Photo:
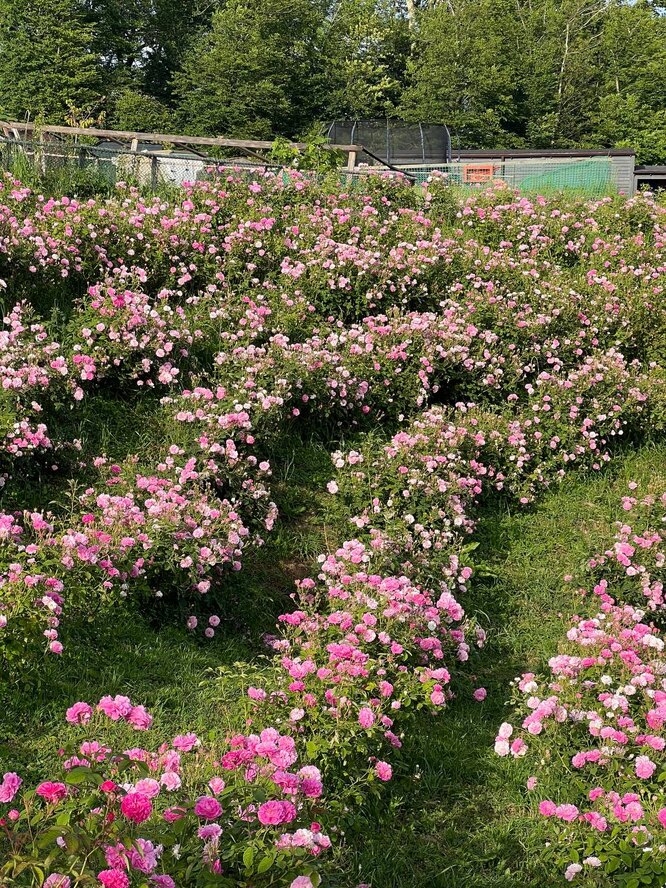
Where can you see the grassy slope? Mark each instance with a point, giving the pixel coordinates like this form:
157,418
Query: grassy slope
459,817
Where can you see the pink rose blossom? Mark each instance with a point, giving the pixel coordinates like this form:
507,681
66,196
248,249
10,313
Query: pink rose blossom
57,880
52,792
384,771
79,714
113,878
207,807
136,807
9,786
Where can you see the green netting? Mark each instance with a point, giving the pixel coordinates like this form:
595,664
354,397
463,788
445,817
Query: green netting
589,176
592,176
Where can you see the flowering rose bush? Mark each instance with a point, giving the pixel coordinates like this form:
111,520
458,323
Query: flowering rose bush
360,654
499,341
597,721
242,813
633,567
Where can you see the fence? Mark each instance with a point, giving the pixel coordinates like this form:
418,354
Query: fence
106,164
93,167
588,176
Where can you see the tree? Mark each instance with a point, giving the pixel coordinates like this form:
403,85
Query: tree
631,112
464,72
257,72
141,113
141,43
45,59
367,47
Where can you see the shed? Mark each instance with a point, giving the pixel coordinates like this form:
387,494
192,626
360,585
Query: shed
652,176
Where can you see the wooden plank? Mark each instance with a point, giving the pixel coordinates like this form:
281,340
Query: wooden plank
170,138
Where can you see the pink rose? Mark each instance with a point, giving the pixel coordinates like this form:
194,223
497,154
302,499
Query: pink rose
170,780
173,814
216,785
145,856
186,742
384,771
79,714
273,813
52,792
566,812
480,694
116,707
139,718
366,717
136,807
547,808
147,786
645,768
207,807
9,786
113,878
57,880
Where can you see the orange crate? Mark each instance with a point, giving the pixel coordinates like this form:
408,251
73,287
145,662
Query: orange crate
478,172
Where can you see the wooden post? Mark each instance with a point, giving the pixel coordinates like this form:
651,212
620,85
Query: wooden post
154,179
351,161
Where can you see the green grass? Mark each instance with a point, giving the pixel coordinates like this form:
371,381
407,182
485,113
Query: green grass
461,818
457,816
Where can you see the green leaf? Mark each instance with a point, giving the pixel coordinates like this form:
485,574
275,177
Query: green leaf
80,774
248,856
49,836
265,864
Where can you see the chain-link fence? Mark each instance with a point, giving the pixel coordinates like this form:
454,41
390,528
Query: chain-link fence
104,166
91,169
588,176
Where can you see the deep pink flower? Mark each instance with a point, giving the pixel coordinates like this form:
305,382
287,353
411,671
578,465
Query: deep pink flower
547,808
274,812
113,878
566,812
139,718
366,717
116,707
136,807
173,814
384,771
52,792
79,714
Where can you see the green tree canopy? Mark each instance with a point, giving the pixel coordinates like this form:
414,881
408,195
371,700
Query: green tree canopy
46,59
257,72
